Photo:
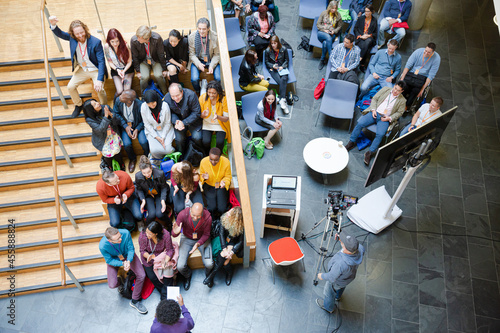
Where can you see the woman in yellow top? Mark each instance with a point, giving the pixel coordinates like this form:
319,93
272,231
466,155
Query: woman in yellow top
215,171
215,116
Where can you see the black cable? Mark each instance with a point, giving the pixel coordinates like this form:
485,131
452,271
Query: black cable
442,234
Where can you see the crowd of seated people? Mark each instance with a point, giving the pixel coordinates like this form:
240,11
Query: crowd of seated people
353,55
174,211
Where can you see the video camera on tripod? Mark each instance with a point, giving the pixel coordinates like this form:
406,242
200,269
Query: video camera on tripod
337,202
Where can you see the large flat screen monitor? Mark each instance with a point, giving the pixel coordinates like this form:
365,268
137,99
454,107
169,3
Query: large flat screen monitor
394,155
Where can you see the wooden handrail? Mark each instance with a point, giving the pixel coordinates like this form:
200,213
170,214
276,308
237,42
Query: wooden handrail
239,159
52,143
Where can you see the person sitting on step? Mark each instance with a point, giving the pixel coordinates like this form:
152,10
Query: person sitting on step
153,192
87,60
118,251
105,129
231,234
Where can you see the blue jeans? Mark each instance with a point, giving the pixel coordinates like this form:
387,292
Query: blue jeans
127,144
114,211
371,82
195,76
405,130
327,41
330,295
384,25
366,121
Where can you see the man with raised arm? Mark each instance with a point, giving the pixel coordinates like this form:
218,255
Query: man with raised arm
87,60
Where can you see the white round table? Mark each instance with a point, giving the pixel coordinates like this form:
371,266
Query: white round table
326,156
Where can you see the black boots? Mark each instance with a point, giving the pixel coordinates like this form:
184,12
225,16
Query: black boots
229,273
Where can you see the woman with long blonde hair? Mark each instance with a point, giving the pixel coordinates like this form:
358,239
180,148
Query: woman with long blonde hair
231,241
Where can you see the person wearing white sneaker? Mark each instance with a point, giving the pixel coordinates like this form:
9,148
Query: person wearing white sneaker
266,117
118,250
276,61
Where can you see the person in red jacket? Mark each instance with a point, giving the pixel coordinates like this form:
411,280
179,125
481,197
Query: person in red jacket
195,224
117,190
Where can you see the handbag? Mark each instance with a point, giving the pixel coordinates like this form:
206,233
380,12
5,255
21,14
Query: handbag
112,145
320,88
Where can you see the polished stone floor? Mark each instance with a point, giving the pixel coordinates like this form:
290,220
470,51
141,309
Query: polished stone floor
425,273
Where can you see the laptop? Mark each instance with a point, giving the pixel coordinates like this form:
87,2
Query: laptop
283,191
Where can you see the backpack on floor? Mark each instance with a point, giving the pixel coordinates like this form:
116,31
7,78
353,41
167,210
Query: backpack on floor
128,285
286,45
152,86
255,147
304,44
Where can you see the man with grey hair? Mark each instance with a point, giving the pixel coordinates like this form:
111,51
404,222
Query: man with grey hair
203,53
148,54
127,110
186,115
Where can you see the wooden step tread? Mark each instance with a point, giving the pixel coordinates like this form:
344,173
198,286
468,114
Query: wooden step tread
26,281
33,74
45,140
38,265
22,118
71,252
47,213
37,181
35,94
35,62
48,236
26,134
40,154
32,83
38,223
26,204
63,170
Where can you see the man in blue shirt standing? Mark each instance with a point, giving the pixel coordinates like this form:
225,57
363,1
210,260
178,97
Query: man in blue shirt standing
420,70
384,66
342,270
118,250
395,11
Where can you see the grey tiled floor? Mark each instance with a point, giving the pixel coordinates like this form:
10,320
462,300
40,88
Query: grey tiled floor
408,282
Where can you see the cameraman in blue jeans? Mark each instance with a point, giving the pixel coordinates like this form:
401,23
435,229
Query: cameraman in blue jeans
342,270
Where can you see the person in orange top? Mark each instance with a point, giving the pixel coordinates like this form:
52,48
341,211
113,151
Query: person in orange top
215,116
215,171
117,190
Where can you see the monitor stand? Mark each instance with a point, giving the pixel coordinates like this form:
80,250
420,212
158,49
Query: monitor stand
377,210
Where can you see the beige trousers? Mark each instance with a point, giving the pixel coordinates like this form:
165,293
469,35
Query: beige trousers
157,73
79,77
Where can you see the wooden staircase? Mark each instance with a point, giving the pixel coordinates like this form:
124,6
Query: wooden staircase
26,184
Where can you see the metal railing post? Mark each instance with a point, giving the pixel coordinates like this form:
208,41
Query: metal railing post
74,279
58,87
61,145
68,213
58,42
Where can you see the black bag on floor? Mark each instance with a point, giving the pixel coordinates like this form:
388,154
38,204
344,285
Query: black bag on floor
285,44
193,154
304,44
126,291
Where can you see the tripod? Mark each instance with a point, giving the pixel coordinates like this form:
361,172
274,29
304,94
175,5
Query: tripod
332,226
